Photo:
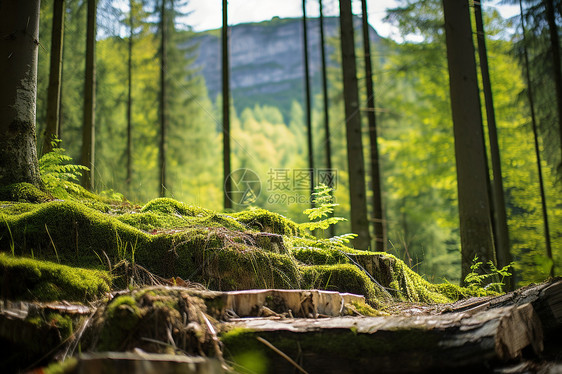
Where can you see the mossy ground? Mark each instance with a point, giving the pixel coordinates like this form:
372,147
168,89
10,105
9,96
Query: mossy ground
250,249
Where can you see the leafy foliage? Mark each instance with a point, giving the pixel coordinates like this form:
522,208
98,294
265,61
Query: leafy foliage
492,280
320,215
58,174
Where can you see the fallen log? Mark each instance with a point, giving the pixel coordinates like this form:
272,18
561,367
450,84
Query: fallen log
472,334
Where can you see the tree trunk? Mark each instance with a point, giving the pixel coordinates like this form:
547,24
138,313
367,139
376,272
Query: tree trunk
307,101
88,131
556,65
537,147
355,161
501,233
130,99
55,76
474,207
163,98
19,30
226,109
327,142
376,184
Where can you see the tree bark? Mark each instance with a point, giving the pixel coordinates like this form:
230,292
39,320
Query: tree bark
130,99
376,184
308,101
88,131
501,233
474,207
163,98
226,109
355,161
55,76
327,141
19,41
556,64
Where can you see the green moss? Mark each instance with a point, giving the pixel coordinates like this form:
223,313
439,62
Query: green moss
65,367
122,315
343,278
10,208
28,279
63,324
67,230
171,206
149,221
266,221
367,310
23,192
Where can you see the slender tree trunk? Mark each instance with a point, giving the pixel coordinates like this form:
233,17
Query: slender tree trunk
327,142
474,208
19,40
376,184
88,131
556,65
355,161
130,99
308,101
226,109
501,233
55,76
536,141
163,98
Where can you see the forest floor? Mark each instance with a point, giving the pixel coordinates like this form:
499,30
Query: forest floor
91,283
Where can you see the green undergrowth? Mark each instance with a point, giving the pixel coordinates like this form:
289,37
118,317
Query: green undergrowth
250,249
28,279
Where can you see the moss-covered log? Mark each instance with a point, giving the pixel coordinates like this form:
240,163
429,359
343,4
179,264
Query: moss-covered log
390,344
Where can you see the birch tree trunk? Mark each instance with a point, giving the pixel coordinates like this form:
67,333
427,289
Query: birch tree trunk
19,41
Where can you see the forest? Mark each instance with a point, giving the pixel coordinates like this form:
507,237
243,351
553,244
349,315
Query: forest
414,123
423,167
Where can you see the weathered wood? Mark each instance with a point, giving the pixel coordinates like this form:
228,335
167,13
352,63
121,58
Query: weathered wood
401,344
546,299
145,363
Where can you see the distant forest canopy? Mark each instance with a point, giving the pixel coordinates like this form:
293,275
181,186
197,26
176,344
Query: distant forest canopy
269,132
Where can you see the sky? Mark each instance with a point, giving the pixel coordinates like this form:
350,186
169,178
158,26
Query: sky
207,14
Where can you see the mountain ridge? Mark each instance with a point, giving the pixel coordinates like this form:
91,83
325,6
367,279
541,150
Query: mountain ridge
267,60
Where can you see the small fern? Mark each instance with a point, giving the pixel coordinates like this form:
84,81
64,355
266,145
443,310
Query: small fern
324,207
58,175
320,219
474,280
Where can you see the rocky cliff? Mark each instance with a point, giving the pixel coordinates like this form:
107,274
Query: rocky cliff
266,59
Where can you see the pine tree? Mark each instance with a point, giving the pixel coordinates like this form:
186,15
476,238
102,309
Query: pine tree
474,211
355,160
55,76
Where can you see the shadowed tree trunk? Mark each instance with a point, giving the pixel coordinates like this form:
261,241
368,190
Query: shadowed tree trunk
55,76
163,98
307,101
327,142
226,109
376,185
88,130
536,141
501,233
130,99
474,207
556,65
355,161
19,30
